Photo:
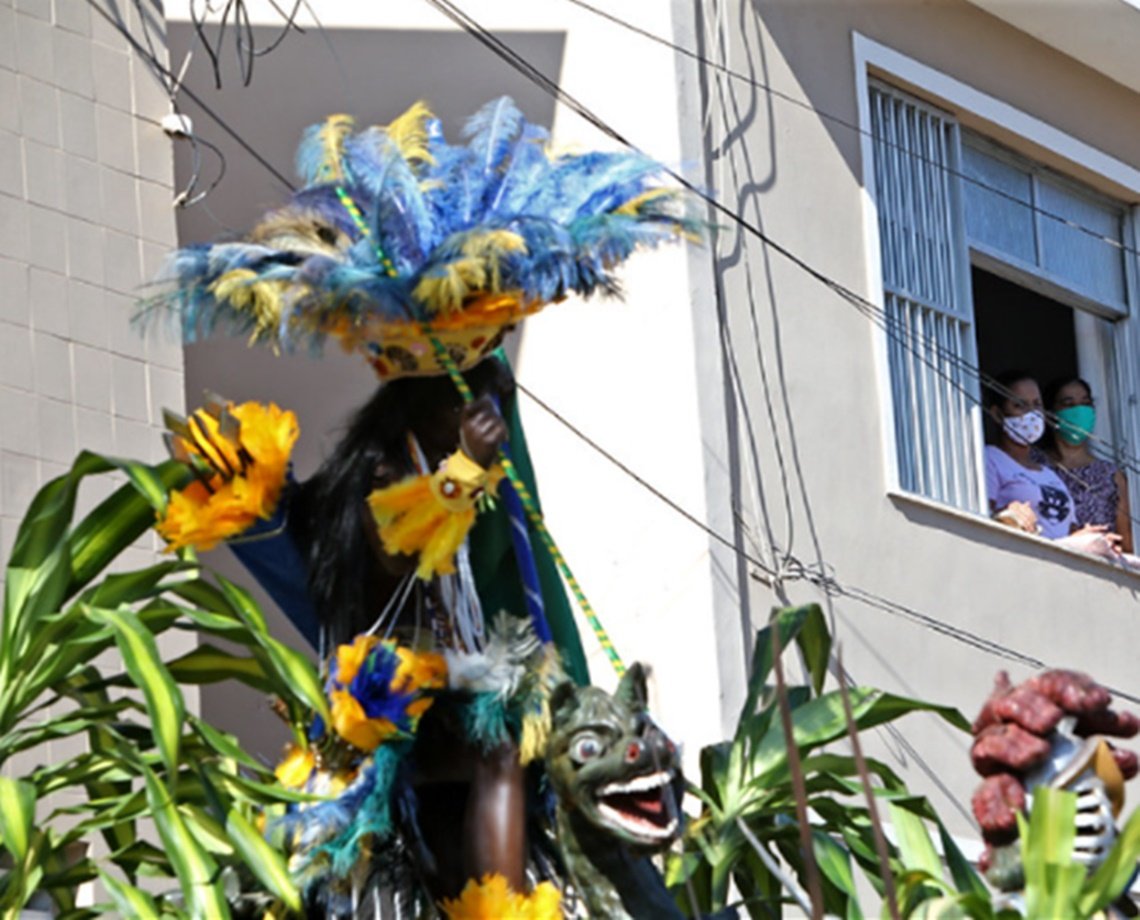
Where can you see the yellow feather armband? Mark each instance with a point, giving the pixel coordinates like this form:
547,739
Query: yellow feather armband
431,514
241,454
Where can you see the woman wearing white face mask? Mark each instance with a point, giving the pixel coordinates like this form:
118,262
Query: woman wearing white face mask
1023,493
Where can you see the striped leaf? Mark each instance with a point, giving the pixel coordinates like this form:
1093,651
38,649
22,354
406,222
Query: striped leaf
916,849
298,674
116,523
163,698
131,901
243,604
227,746
17,812
267,863
208,664
196,870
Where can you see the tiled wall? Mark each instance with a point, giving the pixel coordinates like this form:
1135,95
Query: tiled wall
86,177
85,217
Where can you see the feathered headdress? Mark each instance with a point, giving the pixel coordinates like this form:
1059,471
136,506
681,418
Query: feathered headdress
400,244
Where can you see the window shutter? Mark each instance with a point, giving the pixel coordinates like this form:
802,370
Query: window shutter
929,313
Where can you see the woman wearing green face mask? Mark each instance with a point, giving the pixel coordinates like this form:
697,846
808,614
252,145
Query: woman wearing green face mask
1098,487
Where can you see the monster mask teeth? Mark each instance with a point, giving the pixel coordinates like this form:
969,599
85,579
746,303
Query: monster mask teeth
638,784
637,826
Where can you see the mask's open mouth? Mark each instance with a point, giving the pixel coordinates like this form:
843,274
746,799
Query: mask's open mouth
643,807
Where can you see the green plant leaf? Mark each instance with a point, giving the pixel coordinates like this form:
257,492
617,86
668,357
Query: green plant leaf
208,664
823,720
227,746
144,663
966,879
1046,846
807,628
266,863
243,605
835,864
196,870
17,813
115,523
298,673
131,901
916,849
119,588
1108,882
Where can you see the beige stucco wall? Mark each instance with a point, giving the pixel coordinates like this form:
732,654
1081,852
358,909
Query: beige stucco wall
820,482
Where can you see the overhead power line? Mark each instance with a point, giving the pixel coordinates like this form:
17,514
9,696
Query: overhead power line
857,129
813,574
535,75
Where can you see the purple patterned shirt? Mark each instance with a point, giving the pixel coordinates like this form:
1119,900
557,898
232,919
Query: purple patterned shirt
1093,488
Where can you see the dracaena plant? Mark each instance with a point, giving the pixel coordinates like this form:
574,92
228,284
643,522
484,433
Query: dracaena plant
146,764
747,826
1056,885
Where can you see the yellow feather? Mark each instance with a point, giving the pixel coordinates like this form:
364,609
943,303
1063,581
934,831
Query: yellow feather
409,133
243,290
476,271
634,204
333,132
490,247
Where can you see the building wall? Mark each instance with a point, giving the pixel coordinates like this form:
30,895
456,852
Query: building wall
808,400
86,185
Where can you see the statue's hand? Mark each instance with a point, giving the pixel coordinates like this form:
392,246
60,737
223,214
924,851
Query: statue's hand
481,431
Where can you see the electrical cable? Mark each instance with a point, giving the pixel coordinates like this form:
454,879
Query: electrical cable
527,69
842,122
197,100
813,575
244,45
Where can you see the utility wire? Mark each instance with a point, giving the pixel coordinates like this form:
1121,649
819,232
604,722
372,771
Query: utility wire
168,75
843,122
527,69
809,573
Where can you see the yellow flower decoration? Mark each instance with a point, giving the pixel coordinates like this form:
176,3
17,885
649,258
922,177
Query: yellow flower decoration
431,514
493,899
349,658
249,474
394,680
419,670
294,771
350,722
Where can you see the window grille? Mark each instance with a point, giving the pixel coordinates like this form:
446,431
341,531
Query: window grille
929,314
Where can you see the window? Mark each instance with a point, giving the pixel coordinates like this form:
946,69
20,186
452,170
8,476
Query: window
977,245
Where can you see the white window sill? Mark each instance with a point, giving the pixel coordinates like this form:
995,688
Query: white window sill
988,524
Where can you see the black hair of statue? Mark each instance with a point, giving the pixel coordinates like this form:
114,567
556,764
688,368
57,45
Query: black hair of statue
347,583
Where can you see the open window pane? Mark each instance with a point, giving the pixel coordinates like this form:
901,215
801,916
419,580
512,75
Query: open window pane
1085,254
998,204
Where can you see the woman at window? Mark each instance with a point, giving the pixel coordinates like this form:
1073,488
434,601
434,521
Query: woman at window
1098,487
1023,492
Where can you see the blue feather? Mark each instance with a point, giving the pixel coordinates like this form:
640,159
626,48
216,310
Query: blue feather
420,213
492,133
